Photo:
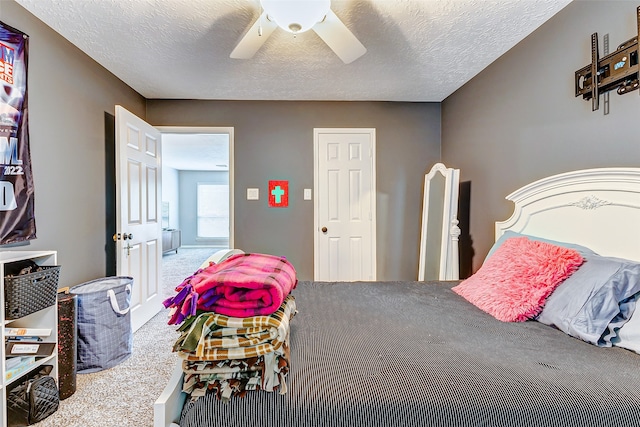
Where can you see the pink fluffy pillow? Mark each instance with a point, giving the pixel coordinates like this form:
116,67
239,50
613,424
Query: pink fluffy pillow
514,283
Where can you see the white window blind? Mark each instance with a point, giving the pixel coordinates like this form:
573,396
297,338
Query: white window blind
213,211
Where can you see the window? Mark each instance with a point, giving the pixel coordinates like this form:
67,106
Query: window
213,211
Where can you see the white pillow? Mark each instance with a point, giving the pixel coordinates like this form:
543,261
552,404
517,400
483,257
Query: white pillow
220,256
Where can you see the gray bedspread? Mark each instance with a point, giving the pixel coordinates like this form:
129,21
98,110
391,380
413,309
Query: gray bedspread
416,354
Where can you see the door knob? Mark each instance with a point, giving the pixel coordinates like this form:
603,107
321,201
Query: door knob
124,236
324,229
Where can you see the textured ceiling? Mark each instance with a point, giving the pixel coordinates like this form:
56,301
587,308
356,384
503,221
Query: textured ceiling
195,151
417,50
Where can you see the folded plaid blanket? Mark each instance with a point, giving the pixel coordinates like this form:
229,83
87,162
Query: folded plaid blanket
235,377
212,336
243,285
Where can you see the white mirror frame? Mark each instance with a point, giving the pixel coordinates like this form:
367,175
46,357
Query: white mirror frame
447,241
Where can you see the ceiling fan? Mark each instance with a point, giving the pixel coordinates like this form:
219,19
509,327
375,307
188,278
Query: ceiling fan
297,16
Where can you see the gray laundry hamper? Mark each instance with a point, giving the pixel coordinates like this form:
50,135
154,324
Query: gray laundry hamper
105,337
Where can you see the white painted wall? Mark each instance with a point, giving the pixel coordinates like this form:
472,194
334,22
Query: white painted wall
171,194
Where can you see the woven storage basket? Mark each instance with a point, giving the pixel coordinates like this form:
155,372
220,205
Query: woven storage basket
27,293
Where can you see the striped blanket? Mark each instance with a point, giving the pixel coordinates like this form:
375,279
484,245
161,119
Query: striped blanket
212,336
244,285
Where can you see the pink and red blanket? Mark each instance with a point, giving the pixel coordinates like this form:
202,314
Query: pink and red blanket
243,285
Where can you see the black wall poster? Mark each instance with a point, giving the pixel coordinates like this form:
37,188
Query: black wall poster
17,216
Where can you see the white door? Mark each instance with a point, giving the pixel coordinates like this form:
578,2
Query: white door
345,214
138,227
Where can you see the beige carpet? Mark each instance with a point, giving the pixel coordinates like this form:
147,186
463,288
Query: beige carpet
124,395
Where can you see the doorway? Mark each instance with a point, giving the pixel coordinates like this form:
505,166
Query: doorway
165,216
197,187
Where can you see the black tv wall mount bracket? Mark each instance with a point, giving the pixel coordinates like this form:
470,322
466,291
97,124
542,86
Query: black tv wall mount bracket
617,70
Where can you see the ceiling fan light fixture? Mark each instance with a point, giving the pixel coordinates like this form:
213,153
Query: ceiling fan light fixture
296,16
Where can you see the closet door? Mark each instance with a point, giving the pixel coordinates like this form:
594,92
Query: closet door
345,220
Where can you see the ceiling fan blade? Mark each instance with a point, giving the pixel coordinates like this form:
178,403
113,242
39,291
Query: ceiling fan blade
339,38
255,38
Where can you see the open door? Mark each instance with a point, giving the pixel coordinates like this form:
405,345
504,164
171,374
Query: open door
138,227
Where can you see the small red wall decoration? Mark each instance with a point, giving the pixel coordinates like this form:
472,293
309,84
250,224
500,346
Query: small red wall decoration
278,194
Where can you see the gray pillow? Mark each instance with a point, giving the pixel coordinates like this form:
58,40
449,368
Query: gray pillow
629,334
508,234
595,300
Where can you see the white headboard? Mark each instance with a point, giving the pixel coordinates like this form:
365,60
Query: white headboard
597,208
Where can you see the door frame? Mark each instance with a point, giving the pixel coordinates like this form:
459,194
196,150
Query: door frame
316,201
214,129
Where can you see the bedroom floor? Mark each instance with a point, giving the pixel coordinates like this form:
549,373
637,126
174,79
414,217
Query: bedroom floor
124,395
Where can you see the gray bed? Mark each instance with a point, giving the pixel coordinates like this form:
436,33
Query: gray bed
413,353
416,353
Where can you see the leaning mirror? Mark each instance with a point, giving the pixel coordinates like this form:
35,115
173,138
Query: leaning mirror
439,232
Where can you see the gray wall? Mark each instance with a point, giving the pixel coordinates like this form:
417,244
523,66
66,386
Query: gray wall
188,185
519,121
274,140
68,96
